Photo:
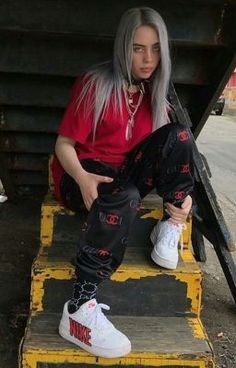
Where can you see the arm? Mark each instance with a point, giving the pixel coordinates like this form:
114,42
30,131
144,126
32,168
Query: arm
88,183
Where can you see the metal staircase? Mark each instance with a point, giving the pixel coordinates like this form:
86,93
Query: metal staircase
158,309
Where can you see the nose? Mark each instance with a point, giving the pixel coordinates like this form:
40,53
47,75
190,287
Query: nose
148,55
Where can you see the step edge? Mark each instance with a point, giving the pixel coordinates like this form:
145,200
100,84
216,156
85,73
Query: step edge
204,359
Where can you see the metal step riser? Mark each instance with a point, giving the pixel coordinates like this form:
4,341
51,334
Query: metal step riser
161,295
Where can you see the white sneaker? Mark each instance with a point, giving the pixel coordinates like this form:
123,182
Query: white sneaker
90,329
165,237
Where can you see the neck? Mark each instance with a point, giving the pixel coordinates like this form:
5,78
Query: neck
133,88
136,82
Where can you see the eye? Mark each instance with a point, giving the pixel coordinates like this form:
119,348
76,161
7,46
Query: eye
138,49
156,48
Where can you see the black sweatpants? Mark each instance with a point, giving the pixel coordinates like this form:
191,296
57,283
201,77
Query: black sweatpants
162,161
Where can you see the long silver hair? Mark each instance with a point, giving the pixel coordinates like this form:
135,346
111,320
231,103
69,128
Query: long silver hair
105,80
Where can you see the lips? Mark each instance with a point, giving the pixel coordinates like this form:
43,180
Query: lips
146,70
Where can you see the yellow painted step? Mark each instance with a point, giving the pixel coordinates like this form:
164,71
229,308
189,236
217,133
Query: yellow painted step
174,342
170,291
50,208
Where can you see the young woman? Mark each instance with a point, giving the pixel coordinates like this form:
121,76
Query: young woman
116,143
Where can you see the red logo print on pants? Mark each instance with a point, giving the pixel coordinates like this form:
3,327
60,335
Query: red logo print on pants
184,169
179,195
183,135
112,219
80,332
103,252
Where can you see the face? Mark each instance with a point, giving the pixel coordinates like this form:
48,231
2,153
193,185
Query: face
146,52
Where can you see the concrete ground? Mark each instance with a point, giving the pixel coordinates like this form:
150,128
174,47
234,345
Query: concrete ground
19,242
217,141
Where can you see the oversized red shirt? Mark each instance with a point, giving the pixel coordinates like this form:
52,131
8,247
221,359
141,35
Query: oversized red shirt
110,144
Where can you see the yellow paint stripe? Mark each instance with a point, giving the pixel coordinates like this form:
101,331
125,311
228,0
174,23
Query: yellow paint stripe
49,209
187,256
31,357
189,266
122,274
46,230
197,328
59,271
37,287
194,291
156,214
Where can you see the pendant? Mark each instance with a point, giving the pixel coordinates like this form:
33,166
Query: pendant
132,89
128,132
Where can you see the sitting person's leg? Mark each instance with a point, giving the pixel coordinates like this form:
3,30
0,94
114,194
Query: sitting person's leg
163,161
101,249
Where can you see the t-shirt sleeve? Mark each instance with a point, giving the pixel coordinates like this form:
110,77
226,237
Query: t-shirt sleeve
75,123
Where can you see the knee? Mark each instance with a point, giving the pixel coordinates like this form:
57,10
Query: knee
181,133
179,141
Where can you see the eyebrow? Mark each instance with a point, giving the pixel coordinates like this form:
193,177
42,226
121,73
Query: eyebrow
139,44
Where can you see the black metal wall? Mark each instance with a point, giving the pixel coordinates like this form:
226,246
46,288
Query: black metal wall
45,44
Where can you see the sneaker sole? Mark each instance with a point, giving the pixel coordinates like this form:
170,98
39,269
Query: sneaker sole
162,261
101,352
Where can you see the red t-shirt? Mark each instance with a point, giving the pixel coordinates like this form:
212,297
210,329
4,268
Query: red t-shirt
110,144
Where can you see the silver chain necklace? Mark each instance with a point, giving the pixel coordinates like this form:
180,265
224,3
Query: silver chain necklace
131,108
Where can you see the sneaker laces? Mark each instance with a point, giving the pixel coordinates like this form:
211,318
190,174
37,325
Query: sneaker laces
170,231
178,235
100,320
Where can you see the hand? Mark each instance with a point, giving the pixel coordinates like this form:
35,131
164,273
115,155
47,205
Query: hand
179,215
88,185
